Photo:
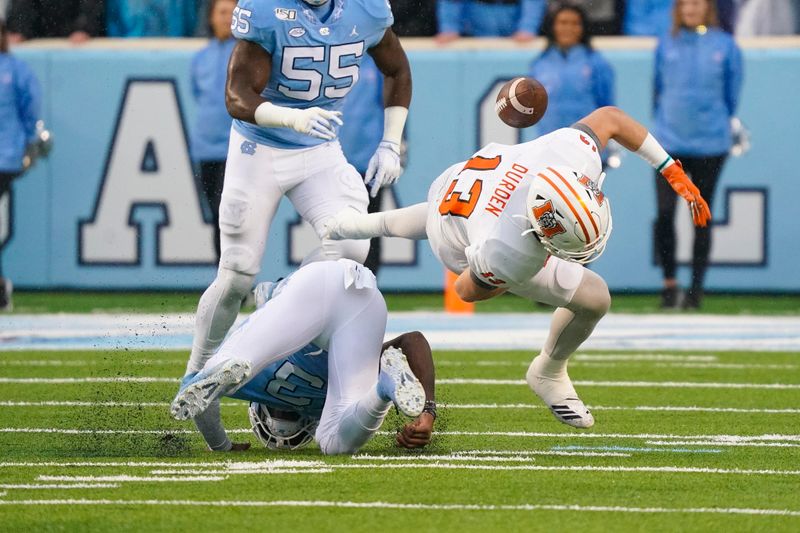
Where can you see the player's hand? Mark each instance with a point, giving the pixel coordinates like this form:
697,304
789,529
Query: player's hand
416,434
316,122
682,185
384,167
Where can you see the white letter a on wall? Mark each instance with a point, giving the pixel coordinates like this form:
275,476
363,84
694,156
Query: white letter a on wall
148,165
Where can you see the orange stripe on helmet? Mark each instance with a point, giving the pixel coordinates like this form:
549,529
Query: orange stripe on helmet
580,200
569,204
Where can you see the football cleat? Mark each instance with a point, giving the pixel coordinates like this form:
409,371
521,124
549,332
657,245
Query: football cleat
559,395
207,386
398,384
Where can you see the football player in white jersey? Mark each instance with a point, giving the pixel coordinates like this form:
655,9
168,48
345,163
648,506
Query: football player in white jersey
524,219
312,360
293,65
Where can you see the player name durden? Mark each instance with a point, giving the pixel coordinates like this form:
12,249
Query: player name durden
501,193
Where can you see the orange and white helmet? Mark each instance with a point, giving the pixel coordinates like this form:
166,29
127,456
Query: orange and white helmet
569,214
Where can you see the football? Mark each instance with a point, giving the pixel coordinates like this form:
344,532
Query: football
521,102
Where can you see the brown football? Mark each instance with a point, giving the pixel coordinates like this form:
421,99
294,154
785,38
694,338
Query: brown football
521,102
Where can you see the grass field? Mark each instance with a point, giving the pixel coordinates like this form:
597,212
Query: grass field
700,441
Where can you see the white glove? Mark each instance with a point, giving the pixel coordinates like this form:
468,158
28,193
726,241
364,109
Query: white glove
313,121
384,167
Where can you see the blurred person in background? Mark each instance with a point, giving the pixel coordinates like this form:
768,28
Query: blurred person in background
577,78
78,20
647,17
211,132
518,19
698,79
603,17
767,17
20,108
362,133
414,18
151,18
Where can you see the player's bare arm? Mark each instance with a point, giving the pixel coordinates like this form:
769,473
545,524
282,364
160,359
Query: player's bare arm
249,71
415,346
612,123
384,167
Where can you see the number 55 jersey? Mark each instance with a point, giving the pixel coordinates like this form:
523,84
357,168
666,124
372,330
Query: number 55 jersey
315,59
476,209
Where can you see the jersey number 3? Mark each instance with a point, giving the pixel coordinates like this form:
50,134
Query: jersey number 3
344,76
452,203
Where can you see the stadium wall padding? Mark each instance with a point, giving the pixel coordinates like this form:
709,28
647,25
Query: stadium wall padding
115,206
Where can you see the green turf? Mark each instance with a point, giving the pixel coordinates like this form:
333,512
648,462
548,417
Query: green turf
186,302
623,422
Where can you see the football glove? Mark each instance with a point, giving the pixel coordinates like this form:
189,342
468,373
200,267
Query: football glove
682,185
384,167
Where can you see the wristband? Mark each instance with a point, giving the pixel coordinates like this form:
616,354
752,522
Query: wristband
430,408
652,152
394,120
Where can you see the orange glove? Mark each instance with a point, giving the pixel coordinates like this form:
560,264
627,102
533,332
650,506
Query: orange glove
682,185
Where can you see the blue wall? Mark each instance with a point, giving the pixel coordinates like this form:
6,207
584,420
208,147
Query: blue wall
757,246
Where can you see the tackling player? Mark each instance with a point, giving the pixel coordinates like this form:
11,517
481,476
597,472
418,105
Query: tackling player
524,218
320,367
294,63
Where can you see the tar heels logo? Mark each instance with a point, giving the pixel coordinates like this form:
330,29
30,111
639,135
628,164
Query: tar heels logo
248,148
281,13
297,32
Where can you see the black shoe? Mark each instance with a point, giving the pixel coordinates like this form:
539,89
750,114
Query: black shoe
671,297
693,299
6,288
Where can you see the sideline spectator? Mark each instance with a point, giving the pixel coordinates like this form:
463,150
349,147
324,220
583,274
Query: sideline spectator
361,134
698,79
647,17
20,107
209,141
79,20
768,17
603,17
151,18
519,19
577,78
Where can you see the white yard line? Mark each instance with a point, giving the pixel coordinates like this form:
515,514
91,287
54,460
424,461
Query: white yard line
127,478
627,384
49,486
411,506
117,379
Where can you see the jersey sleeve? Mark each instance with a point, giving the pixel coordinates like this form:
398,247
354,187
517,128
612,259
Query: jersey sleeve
253,20
380,11
496,264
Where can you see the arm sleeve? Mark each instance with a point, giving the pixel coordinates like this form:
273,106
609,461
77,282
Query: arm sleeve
29,99
209,424
449,14
733,78
530,15
603,81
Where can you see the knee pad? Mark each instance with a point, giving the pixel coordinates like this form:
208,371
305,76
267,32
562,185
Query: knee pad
235,285
592,296
239,258
356,250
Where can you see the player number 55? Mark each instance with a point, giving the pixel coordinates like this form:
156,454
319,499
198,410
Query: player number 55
241,20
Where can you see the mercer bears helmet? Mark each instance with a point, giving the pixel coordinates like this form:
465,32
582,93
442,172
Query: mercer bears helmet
281,430
569,214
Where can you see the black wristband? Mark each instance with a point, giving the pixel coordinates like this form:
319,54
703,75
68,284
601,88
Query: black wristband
430,408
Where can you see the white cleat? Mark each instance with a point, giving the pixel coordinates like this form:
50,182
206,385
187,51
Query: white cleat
559,395
207,386
398,383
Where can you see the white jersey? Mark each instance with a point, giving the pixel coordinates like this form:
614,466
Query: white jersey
476,208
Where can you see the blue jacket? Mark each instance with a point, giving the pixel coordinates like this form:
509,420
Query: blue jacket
151,18
578,81
480,19
212,127
647,17
20,108
698,79
363,117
